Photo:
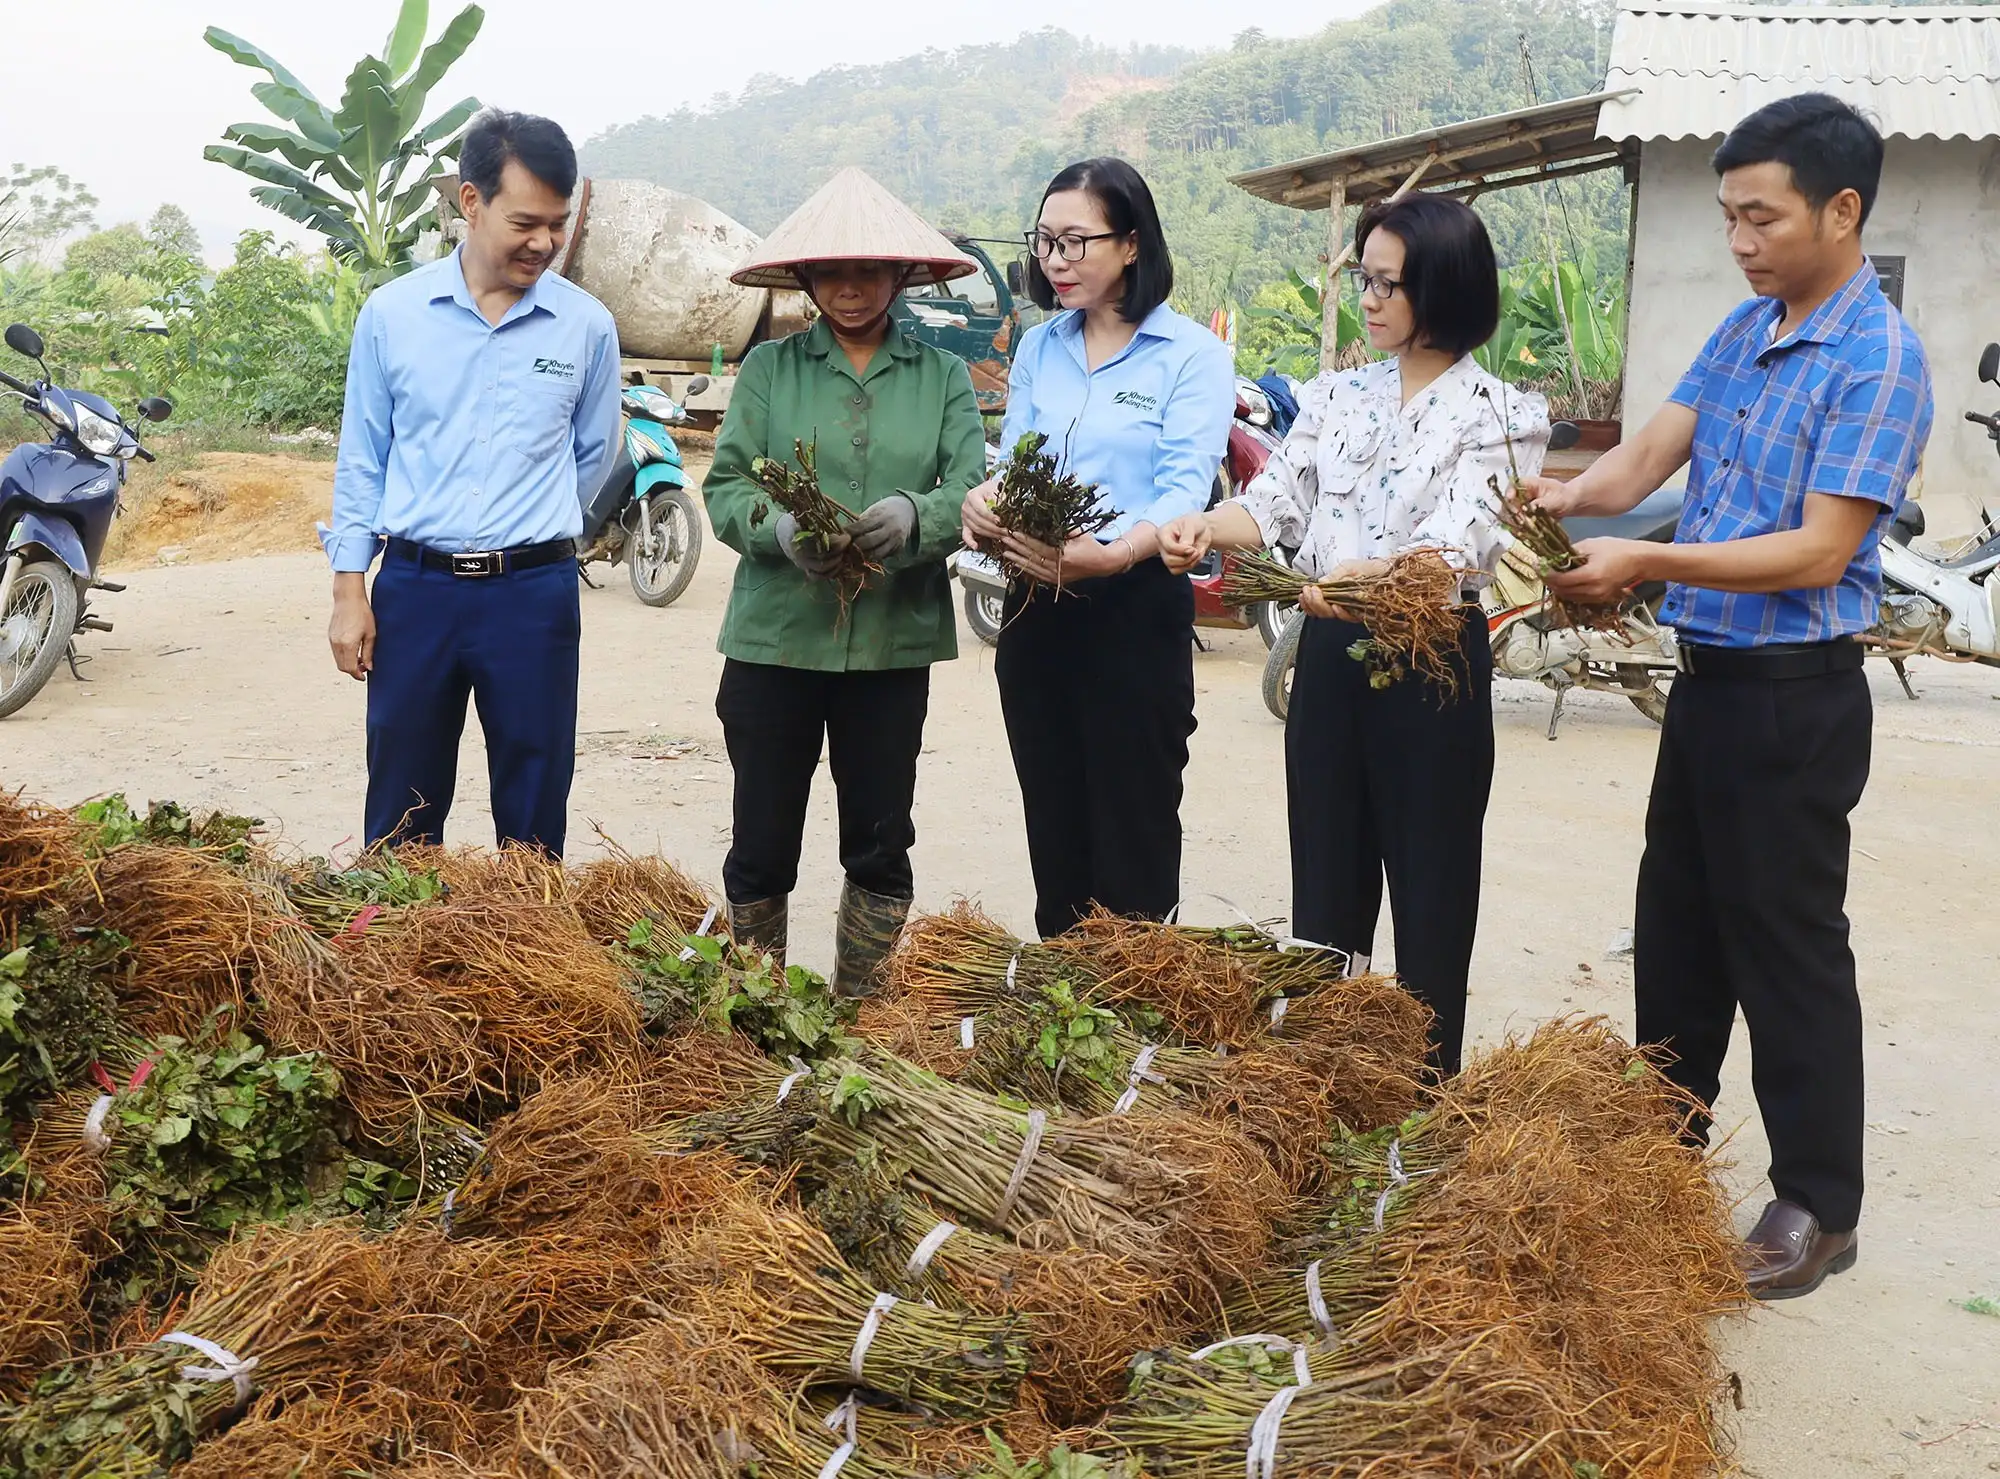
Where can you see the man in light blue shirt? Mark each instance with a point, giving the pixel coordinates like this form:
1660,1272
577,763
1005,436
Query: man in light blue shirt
482,407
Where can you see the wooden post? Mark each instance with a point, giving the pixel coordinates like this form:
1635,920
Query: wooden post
1338,256
1631,266
1329,292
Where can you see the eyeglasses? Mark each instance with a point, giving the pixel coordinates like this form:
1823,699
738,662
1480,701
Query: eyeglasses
1373,282
1070,246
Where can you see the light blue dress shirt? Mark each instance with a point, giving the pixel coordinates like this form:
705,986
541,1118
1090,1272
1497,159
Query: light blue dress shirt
1149,426
465,435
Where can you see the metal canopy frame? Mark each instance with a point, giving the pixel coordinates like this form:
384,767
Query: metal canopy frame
1551,141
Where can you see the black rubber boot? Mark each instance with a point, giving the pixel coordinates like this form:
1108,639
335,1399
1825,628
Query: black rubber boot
866,930
762,924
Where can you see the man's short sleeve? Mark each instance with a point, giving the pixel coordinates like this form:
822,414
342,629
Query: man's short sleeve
1872,434
1694,383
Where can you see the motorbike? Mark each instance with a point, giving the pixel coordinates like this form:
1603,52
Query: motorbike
1944,606
1251,443
57,501
641,514
1529,639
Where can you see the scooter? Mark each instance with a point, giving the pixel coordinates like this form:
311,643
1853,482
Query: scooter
642,515
57,500
1947,607
1251,444
1530,641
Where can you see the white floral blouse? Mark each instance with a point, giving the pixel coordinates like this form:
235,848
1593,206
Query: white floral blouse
1362,476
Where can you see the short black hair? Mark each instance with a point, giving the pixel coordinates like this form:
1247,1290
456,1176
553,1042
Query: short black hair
540,145
1449,273
1128,207
1829,146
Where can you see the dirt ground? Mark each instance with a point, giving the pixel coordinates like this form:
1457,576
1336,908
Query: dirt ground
216,689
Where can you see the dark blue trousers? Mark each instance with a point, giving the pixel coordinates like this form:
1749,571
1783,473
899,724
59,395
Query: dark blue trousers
509,642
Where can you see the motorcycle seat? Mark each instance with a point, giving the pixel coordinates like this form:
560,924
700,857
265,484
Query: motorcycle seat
1655,519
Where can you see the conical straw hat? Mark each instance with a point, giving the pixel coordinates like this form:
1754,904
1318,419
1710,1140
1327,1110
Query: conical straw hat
852,219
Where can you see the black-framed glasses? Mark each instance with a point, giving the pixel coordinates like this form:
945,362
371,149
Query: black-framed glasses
1373,282
1071,245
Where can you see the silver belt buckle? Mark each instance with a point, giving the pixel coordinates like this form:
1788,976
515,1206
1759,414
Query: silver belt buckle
478,563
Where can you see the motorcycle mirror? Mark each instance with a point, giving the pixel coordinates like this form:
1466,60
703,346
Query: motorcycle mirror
695,387
1989,363
156,408
24,340
1017,277
1566,434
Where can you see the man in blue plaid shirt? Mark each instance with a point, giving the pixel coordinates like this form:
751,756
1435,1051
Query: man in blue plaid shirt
1801,423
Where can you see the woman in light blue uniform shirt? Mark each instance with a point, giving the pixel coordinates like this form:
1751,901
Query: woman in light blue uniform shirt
1097,682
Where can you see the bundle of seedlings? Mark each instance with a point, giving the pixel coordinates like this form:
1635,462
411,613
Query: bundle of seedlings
40,854
1273,1410
347,1428
110,823
58,1007
613,893
1168,1194
304,1307
1168,983
371,894
688,980
44,1267
1046,504
1085,1311
200,931
776,1283
1544,547
467,1003
1411,609
1348,1054
821,519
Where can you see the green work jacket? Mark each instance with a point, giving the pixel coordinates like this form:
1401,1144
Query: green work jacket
909,425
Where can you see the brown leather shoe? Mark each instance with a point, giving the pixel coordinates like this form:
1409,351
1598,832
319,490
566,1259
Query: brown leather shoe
1787,1255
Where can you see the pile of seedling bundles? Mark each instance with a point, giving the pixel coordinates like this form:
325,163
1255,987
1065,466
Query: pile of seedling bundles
467,1164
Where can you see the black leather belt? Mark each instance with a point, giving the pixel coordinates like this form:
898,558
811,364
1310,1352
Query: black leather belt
477,564
1773,660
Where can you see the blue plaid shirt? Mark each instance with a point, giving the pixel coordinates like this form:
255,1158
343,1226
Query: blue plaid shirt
1841,406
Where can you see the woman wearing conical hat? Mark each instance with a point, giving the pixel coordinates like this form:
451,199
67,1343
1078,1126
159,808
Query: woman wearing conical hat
899,442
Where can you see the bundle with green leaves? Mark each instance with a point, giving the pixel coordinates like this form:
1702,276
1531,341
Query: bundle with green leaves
374,892
213,1133
110,823
1164,1193
58,1009
822,520
1046,504
684,979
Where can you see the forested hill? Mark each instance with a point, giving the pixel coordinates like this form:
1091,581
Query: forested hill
971,136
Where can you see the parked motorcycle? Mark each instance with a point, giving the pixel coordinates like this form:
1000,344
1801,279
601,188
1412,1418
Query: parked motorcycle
1251,443
642,515
1529,640
1949,606
57,500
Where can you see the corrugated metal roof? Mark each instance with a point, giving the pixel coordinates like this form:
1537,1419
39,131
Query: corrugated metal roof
1920,72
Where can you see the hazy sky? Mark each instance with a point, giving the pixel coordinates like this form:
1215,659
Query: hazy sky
123,94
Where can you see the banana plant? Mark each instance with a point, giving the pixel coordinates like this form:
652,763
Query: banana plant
360,173
1299,356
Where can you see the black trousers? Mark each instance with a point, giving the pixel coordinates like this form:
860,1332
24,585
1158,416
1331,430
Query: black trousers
1742,902
1392,781
1097,687
509,643
774,721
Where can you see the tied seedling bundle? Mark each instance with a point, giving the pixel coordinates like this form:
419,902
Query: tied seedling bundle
1047,505
40,853
1411,609
794,487
58,1009
687,980
111,823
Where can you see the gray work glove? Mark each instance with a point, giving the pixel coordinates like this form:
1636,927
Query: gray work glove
806,553
884,527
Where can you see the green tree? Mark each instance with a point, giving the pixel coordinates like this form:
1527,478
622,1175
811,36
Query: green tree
172,230
359,174
116,251
46,206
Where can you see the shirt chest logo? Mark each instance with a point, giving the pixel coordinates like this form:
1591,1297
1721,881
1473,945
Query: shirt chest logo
557,369
1137,401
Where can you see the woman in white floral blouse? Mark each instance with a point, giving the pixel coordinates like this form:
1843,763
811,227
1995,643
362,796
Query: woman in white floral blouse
1391,457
